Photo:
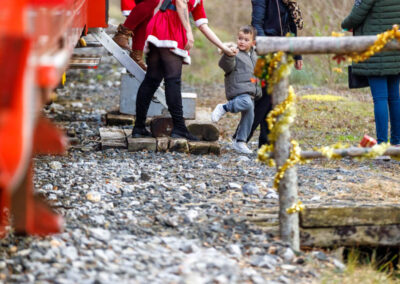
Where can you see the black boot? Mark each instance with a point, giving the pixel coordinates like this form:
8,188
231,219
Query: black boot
138,132
176,133
174,101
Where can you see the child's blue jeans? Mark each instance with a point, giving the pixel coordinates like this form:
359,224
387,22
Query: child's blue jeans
385,93
244,104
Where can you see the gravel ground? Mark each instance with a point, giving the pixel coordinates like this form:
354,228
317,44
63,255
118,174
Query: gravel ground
166,217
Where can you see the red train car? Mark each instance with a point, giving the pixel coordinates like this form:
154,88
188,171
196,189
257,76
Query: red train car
37,38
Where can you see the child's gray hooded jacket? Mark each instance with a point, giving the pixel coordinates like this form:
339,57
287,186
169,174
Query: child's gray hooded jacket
239,75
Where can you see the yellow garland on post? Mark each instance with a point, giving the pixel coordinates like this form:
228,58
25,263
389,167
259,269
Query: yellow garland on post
276,75
277,57
294,158
296,208
288,112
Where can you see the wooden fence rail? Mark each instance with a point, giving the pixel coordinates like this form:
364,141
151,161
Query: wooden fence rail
319,45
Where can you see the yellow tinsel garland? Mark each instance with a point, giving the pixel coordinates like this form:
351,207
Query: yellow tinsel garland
296,208
276,75
328,151
376,151
286,112
294,158
379,44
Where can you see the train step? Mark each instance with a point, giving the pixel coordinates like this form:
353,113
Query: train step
84,61
90,51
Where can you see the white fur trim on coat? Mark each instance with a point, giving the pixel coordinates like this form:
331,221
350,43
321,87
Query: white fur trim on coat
171,44
200,22
126,13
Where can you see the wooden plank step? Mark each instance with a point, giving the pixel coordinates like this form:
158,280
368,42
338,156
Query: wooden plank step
351,236
112,138
349,216
113,118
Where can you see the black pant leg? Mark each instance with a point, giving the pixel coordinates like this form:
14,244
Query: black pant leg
149,86
261,109
172,72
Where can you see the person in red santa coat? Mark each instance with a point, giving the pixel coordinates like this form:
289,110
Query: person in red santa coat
135,27
127,6
168,41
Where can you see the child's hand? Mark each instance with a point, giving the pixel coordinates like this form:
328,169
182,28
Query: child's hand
235,50
230,51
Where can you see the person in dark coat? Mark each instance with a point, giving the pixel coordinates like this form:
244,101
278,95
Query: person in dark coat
273,18
371,17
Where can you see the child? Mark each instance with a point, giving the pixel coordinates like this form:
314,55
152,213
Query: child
241,87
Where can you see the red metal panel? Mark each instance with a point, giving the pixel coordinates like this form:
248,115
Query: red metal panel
12,17
14,143
45,31
97,14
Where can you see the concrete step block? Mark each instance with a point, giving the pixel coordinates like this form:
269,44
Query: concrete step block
215,148
112,138
140,144
129,88
199,147
111,133
205,131
179,145
128,132
110,144
162,144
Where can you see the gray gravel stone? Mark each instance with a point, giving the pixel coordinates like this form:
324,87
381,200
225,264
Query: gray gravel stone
158,217
250,189
266,261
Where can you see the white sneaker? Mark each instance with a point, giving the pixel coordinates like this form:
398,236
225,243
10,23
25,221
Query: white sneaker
383,158
241,147
218,112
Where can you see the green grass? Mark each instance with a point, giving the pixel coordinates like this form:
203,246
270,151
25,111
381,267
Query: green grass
361,269
204,68
325,123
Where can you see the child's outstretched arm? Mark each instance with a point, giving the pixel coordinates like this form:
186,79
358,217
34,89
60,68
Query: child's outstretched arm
227,63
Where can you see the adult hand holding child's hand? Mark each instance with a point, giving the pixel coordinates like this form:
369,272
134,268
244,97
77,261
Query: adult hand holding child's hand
230,50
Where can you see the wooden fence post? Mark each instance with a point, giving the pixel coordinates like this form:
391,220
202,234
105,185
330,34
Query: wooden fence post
289,223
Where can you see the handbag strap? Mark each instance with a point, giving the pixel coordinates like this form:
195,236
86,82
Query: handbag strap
280,19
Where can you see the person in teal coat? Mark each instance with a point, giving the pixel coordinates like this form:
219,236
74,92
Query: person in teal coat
371,17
